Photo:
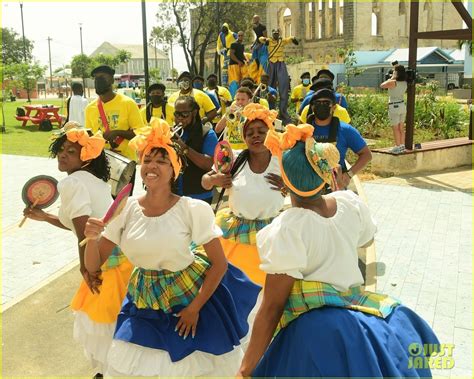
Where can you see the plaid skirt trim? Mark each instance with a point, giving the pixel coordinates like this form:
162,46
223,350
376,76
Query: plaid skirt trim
115,259
306,296
240,230
163,290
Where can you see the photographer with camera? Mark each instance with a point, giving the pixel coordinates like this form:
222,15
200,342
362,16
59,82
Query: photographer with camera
397,110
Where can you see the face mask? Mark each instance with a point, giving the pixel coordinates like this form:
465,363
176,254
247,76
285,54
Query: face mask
184,85
212,83
198,85
156,99
322,111
101,85
305,82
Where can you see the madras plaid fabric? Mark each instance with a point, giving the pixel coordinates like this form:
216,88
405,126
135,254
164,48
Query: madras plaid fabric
115,259
162,290
239,230
305,296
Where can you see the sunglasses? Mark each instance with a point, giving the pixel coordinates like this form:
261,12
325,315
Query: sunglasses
183,114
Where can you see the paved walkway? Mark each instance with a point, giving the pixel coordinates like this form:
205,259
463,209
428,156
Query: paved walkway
423,246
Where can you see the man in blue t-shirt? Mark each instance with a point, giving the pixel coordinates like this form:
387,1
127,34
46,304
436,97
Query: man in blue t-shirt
322,74
329,129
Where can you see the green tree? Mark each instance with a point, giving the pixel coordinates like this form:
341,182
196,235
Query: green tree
82,65
23,75
155,75
12,47
350,61
165,36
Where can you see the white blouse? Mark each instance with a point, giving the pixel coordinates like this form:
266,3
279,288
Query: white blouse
82,194
251,196
305,245
162,242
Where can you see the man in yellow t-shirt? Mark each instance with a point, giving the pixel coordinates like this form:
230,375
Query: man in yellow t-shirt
299,92
121,113
158,106
225,38
233,127
277,69
222,93
207,109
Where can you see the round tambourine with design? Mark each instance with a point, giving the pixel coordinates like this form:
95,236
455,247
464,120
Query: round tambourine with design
40,191
223,157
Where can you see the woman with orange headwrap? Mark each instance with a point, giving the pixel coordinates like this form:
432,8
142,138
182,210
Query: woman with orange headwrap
174,293
315,320
85,193
256,193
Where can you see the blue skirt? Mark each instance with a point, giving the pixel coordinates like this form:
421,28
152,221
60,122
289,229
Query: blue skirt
222,321
336,342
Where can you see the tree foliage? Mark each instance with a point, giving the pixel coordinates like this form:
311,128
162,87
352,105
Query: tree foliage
12,47
82,65
195,25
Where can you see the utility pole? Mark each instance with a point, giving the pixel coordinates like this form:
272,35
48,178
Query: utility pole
50,68
24,51
82,53
145,52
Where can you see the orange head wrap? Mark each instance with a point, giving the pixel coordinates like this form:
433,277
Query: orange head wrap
92,146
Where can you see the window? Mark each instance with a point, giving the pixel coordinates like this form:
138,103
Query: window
341,3
320,30
341,26
402,7
330,3
320,6
374,28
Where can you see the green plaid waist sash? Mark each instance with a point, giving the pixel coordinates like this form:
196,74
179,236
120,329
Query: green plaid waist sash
163,290
114,260
237,229
306,296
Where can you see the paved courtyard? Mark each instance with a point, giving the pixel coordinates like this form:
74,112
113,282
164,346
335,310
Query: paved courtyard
423,255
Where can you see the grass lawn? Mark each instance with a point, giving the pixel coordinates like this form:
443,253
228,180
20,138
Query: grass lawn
26,140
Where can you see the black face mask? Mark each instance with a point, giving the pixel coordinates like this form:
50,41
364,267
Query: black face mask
212,83
156,99
322,111
101,85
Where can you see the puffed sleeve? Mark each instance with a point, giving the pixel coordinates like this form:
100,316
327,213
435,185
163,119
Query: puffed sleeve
368,224
281,250
75,198
113,231
203,226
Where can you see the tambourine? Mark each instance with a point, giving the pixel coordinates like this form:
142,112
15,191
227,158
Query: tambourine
41,190
223,157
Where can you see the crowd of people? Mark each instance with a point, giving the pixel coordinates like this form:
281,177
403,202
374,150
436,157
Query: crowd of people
174,287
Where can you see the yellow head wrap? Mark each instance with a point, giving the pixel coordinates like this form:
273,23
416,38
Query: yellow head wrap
157,135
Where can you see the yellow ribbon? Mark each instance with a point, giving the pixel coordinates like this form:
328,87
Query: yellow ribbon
158,134
92,146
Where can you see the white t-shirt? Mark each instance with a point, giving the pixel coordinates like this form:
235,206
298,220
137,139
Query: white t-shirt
77,105
82,194
251,196
305,245
157,243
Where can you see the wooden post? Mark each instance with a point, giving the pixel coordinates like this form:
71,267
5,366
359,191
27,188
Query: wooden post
411,91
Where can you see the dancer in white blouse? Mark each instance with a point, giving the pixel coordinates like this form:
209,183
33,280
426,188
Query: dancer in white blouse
184,314
256,193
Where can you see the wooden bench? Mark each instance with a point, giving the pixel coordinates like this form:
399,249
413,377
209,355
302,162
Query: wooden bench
34,120
429,146
432,156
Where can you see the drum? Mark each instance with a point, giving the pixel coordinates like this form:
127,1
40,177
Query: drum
121,171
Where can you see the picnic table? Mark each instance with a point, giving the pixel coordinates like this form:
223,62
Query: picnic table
38,113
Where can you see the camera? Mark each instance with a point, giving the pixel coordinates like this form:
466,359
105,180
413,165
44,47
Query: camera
388,74
395,63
